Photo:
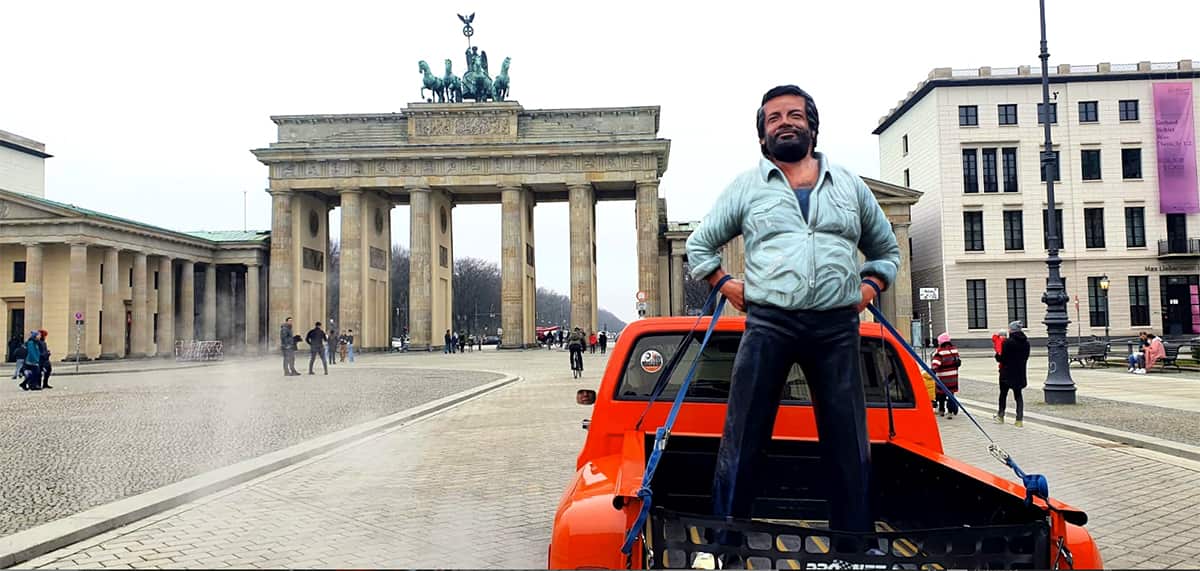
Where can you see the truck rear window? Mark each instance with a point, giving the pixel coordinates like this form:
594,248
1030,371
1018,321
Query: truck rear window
647,361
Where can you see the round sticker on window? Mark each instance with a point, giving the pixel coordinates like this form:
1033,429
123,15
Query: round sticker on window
652,361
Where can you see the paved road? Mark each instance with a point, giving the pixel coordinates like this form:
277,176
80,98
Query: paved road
94,439
476,486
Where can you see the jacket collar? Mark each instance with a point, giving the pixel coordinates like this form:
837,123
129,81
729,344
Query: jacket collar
766,168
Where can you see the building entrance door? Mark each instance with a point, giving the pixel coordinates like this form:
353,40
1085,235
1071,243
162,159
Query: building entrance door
16,326
1180,304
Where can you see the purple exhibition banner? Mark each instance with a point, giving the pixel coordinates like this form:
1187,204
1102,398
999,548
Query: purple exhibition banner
1175,132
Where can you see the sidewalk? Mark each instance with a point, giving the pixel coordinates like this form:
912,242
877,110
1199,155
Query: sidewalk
68,368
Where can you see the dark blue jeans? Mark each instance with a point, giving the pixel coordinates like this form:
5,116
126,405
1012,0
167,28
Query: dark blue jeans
826,346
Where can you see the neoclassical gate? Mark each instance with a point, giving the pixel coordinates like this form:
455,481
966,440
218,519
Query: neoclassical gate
434,156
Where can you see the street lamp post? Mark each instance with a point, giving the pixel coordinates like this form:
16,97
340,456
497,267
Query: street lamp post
1104,288
1059,388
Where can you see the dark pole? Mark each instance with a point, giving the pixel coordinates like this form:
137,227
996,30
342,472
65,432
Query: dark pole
1059,387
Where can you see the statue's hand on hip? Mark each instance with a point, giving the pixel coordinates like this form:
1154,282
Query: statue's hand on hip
735,292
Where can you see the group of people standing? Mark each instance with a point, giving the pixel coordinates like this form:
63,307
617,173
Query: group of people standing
33,360
458,342
588,342
326,346
1011,352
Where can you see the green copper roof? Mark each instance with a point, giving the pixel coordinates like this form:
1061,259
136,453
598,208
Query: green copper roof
231,235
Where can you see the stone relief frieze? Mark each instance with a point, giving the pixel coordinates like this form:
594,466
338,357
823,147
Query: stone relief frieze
550,164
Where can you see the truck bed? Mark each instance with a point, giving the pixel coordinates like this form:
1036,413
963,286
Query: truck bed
928,516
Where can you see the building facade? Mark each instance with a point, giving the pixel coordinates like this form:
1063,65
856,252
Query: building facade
1125,193
105,287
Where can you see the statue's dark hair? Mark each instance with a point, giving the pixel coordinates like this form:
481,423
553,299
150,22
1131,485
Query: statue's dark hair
810,110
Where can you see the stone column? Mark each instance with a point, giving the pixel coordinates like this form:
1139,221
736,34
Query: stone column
112,342
677,278
350,305
582,200
187,301
281,288
252,309
34,300
647,232
900,301
208,325
78,296
166,307
138,340
420,274
512,265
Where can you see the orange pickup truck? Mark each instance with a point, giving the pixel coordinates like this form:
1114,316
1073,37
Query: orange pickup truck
932,512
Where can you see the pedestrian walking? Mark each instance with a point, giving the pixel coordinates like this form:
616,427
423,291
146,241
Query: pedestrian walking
350,344
448,339
44,365
603,342
31,375
18,353
592,342
287,345
946,362
317,347
14,343
1013,358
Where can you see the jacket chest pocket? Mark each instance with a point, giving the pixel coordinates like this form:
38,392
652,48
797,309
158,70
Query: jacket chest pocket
839,215
771,217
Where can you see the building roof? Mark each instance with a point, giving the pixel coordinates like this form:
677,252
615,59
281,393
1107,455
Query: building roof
210,236
232,235
19,143
1028,75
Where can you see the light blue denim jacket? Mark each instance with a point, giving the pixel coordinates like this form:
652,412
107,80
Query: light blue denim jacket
793,264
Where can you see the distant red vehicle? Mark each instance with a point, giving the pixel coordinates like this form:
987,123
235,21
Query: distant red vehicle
932,511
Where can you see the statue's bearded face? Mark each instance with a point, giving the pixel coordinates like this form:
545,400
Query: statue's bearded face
788,137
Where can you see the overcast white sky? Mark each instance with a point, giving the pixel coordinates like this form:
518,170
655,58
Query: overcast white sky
151,108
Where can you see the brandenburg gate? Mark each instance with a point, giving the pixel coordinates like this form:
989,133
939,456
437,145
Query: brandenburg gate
433,157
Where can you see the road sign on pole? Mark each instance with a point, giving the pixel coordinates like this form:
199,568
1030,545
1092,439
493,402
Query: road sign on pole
641,296
929,294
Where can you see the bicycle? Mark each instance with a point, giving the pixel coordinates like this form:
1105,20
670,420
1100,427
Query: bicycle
576,362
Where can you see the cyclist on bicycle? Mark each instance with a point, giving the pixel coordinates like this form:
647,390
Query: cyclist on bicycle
575,346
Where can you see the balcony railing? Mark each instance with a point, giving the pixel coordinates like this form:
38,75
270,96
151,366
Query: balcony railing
1179,247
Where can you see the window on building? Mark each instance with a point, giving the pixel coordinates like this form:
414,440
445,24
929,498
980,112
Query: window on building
1007,113
1014,230
1139,300
155,329
1090,159
970,170
443,257
1097,303
18,272
1058,220
973,231
101,274
130,277
1093,227
156,279
907,179
1010,169
1131,163
989,171
1016,299
904,143
1042,113
976,304
100,322
1053,167
968,115
1128,109
1135,226
1089,111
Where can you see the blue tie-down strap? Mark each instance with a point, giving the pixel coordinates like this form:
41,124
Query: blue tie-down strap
1035,484
664,432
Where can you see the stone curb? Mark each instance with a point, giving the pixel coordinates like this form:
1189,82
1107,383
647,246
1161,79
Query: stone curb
35,542
1172,448
61,372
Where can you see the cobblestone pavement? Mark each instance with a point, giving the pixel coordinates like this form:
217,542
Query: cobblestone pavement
94,439
1160,405
477,485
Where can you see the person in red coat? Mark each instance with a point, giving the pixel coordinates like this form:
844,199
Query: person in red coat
946,362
